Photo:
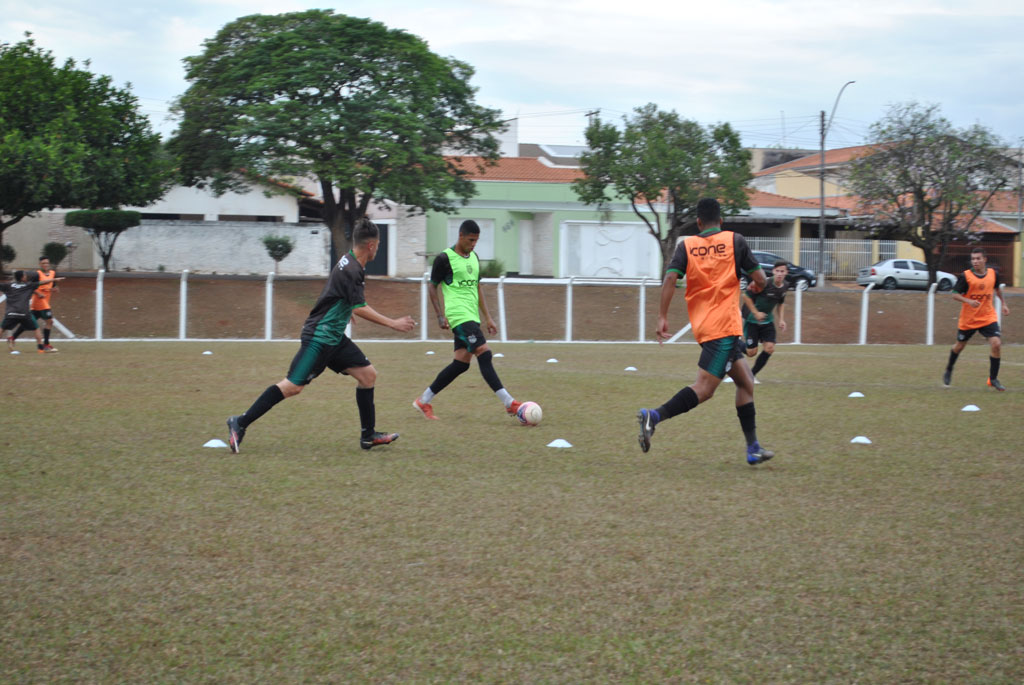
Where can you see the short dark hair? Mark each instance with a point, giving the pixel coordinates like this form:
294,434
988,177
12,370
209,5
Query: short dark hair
979,250
780,262
18,275
469,227
364,231
709,211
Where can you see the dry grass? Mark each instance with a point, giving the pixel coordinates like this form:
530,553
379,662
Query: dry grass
470,551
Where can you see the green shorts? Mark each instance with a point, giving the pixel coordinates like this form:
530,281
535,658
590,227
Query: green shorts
717,356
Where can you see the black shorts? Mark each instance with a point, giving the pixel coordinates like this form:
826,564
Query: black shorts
42,314
313,357
757,333
468,335
717,356
989,331
27,323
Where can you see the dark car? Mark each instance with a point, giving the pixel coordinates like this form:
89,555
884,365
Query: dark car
798,277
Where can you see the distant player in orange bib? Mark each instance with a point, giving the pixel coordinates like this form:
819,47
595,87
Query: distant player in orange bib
41,302
712,262
976,288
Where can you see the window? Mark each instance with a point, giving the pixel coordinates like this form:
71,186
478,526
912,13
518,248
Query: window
250,217
899,264
485,246
919,266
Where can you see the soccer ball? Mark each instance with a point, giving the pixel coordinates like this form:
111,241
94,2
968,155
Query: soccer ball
529,414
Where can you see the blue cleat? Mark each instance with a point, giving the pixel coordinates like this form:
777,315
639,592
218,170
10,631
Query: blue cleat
648,419
757,454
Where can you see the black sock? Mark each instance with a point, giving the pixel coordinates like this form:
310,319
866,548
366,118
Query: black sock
762,359
682,402
18,330
367,411
746,415
488,372
46,336
952,360
261,406
447,375
993,368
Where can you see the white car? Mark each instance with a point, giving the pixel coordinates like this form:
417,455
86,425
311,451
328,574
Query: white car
903,273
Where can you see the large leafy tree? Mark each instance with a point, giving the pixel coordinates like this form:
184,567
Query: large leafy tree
658,159
69,138
925,181
366,111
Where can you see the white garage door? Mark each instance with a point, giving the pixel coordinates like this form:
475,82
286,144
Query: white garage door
595,250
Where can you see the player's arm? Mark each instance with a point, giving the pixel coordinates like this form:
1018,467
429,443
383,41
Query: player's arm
673,272
749,304
747,264
404,324
1002,298
960,290
440,272
488,321
782,316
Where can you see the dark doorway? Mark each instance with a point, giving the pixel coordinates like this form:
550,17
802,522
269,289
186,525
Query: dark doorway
379,266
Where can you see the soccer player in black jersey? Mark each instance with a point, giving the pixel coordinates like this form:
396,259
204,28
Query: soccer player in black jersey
324,344
759,320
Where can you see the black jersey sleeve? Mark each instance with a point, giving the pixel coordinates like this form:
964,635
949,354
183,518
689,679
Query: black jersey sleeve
678,263
442,269
999,278
961,285
745,261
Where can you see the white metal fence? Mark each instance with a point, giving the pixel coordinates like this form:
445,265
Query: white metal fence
508,333
843,257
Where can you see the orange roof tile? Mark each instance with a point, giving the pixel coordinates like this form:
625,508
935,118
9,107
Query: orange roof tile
1003,201
759,198
521,169
810,162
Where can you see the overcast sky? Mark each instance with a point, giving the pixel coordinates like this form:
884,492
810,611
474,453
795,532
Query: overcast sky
766,66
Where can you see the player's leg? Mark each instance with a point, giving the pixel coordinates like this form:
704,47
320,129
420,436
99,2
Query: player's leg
47,329
962,336
995,345
750,337
308,363
485,360
766,354
715,357
744,380
459,366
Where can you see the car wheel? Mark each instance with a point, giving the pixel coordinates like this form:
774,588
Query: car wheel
945,285
889,283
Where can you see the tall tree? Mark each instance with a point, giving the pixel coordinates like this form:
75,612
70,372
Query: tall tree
925,181
366,111
660,159
68,138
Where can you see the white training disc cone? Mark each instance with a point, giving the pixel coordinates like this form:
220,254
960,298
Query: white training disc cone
216,442
559,443
861,440
856,394
971,407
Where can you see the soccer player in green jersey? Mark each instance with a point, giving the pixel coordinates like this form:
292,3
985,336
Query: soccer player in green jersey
456,273
761,313
324,344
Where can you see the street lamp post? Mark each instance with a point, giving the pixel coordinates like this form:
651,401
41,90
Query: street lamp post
821,181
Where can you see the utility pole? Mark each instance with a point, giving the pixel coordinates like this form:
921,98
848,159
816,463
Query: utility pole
821,178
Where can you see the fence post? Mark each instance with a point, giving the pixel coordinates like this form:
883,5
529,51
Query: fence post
501,307
929,334
798,316
99,304
423,306
568,310
268,309
643,310
999,309
183,304
864,314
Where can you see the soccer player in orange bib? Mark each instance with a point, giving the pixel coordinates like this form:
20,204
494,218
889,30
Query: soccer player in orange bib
41,301
712,262
975,288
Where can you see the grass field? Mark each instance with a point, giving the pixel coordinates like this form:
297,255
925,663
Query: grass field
470,551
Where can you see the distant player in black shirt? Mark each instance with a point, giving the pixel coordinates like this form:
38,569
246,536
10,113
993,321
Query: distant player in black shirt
324,344
759,321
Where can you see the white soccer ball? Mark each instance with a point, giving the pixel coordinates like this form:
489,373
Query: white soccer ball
529,413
